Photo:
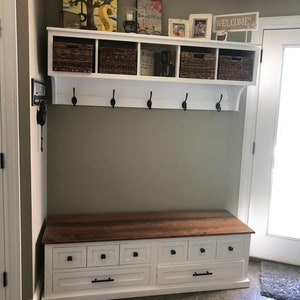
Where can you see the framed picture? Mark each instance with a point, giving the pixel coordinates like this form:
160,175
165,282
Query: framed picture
179,28
201,26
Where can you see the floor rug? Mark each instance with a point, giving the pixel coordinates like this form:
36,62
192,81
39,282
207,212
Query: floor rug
280,281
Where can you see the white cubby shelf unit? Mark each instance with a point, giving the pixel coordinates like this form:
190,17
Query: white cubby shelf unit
97,86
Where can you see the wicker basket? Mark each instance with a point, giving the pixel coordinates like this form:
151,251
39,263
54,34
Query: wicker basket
117,60
237,68
197,65
71,56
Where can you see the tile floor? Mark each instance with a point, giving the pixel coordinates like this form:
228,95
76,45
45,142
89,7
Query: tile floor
251,293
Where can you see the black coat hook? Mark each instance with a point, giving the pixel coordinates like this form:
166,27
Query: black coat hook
74,99
113,100
41,119
218,104
184,103
149,102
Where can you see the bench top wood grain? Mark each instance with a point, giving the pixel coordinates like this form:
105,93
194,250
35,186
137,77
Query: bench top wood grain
140,225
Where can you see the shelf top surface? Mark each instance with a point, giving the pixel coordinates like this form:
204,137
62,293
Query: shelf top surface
154,39
140,225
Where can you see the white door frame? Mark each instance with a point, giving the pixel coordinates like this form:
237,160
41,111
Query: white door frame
285,22
10,134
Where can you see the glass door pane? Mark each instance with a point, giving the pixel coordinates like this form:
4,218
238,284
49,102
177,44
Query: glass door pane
284,217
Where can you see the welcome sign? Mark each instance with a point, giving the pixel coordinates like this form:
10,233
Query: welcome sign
236,22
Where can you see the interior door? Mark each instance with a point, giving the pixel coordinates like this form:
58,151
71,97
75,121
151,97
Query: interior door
2,235
267,243
2,240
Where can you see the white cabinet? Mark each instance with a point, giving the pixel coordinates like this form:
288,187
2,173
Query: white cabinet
136,254
173,73
113,270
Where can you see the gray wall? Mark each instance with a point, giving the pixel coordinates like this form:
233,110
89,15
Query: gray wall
102,160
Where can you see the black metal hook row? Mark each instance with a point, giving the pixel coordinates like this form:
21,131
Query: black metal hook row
149,102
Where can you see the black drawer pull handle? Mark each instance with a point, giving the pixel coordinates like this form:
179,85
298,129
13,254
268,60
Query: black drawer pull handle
103,256
230,248
202,250
69,258
102,280
173,252
135,254
203,274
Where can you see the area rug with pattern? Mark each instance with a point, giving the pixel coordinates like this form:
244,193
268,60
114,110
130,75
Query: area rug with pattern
280,281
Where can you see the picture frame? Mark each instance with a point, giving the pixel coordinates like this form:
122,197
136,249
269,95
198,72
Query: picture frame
201,25
179,28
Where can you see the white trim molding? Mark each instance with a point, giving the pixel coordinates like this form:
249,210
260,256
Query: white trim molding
284,22
10,134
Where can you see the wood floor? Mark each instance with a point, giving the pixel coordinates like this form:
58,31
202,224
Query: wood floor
251,293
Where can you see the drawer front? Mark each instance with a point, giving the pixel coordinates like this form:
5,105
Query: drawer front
135,253
202,249
198,273
69,257
230,248
76,281
173,251
103,255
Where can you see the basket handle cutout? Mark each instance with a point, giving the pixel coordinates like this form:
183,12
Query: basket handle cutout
198,55
73,46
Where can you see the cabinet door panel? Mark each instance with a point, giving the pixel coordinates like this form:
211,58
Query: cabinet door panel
135,253
103,255
230,248
199,273
173,251
63,282
69,257
202,249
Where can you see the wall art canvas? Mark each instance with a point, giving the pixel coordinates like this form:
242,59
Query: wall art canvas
90,14
149,14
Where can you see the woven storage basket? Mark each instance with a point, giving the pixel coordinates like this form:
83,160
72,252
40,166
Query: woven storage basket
118,60
69,56
197,65
237,68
